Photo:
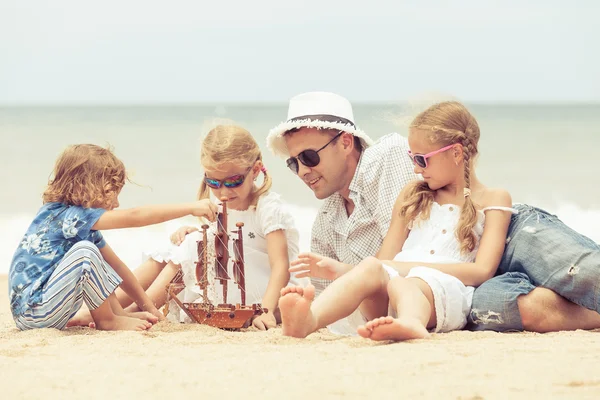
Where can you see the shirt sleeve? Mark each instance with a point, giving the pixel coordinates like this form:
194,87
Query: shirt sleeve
320,240
273,215
321,243
78,223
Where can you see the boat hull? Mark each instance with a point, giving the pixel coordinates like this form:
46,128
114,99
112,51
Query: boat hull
226,316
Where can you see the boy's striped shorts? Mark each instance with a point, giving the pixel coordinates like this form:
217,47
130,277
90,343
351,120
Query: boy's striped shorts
82,275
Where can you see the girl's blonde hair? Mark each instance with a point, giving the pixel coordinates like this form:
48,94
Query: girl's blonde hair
85,175
444,124
232,144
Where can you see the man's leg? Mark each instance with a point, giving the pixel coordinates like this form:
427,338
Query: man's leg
495,304
542,310
544,254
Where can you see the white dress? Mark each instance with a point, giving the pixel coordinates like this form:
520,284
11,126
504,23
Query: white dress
269,215
434,241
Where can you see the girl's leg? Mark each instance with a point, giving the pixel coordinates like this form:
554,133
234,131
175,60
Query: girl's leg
146,274
364,287
158,289
413,300
81,276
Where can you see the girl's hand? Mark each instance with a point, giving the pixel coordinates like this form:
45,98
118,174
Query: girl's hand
178,237
265,321
317,266
205,208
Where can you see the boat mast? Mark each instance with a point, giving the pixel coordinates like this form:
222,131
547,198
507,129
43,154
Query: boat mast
202,264
222,249
238,265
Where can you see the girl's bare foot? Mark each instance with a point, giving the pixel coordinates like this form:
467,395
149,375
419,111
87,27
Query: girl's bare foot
121,323
82,318
388,328
296,318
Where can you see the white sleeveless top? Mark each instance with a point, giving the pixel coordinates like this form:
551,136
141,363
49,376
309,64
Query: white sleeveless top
434,240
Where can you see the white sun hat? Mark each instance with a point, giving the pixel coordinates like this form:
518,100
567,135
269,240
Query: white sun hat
321,110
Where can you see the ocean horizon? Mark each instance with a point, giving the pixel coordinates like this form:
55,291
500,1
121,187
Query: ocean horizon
544,154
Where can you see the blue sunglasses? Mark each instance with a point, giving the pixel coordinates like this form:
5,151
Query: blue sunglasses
229,182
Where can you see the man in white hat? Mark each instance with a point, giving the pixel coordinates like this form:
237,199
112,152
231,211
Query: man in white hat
358,180
547,279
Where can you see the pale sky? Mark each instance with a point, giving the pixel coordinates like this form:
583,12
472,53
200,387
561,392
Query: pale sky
145,51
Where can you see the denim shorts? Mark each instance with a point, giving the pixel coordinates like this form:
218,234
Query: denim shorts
540,251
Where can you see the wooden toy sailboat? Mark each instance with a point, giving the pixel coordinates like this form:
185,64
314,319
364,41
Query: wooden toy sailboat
227,316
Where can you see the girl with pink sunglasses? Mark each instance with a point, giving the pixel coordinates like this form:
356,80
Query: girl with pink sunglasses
447,235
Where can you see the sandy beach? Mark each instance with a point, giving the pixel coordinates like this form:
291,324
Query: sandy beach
191,361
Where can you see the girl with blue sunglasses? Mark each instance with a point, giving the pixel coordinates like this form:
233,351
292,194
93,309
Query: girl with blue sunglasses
233,168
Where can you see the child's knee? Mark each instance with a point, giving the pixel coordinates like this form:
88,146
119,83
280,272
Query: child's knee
85,250
85,254
372,272
84,246
371,265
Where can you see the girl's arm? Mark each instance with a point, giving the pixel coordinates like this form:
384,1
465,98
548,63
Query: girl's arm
130,284
396,234
149,215
277,249
489,254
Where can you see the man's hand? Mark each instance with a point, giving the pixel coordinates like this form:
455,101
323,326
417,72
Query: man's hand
317,266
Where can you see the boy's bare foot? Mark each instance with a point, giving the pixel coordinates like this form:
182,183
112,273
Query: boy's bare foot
121,323
296,318
84,318
388,328
143,315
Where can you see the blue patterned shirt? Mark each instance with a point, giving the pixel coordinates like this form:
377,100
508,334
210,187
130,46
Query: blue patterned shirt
54,230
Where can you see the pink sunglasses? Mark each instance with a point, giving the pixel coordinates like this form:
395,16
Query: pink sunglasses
420,160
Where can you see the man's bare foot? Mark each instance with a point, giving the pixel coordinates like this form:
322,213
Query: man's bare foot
296,318
121,323
388,328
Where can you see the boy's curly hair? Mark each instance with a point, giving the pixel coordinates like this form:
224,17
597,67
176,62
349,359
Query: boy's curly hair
86,175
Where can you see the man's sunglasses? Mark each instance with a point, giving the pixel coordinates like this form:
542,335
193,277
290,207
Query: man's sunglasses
229,182
420,160
309,157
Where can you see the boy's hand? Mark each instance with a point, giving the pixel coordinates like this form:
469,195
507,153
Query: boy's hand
179,236
317,266
205,208
158,314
